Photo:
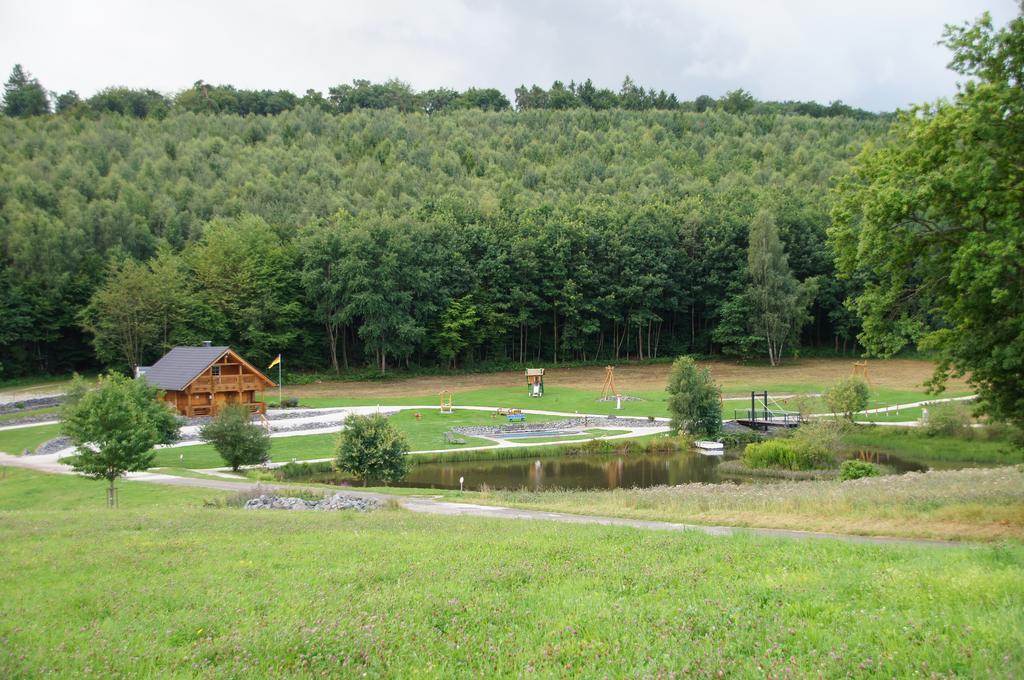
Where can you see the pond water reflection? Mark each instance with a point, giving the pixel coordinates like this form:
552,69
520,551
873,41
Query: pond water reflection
569,472
602,471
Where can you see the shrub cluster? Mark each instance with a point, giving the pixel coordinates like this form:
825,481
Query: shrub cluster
812,447
855,469
949,420
847,397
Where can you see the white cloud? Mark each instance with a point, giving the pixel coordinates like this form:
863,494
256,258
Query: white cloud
871,53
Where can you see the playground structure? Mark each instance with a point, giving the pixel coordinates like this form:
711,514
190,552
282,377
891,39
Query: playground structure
860,370
765,413
447,397
609,389
535,382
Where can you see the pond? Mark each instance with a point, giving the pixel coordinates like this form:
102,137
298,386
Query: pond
596,471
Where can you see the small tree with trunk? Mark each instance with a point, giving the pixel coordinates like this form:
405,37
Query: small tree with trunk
115,427
847,397
237,440
694,399
371,447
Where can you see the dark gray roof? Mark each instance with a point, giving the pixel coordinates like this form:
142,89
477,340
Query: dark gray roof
181,365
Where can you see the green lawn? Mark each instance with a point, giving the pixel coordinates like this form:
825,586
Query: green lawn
569,400
16,440
282,449
48,411
424,435
158,590
564,400
914,444
27,490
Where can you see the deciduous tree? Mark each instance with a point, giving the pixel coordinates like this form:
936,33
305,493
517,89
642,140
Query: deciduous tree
694,399
370,447
932,222
237,440
115,427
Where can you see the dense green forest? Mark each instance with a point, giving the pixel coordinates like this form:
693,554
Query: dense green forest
390,237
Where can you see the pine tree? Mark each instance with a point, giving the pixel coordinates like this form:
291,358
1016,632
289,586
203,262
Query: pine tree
23,95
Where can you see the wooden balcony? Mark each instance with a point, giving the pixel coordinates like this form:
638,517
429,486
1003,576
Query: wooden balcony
227,383
211,410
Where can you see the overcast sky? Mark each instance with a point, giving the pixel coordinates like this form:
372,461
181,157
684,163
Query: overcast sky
876,54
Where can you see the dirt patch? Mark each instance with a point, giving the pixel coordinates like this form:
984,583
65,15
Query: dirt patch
735,378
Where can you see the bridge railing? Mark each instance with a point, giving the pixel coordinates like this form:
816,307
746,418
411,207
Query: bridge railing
767,415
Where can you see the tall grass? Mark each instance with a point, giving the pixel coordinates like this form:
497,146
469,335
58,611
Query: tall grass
983,504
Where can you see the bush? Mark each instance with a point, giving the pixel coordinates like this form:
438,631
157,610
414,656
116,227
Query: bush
820,439
236,439
694,401
855,469
949,420
371,447
737,438
771,453
847,397
802,452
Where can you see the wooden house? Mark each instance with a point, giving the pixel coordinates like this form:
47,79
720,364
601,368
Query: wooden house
198,381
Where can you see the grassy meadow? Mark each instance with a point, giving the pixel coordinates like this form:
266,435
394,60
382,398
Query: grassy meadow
914,445
424,435
975,504
16,440
165,588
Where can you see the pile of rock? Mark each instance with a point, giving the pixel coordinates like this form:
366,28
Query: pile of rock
15,405
338,501
622,397
52,446
569,426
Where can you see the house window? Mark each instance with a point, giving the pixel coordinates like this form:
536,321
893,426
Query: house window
216,371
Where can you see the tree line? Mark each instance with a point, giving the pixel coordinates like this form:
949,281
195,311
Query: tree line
382,238
26,96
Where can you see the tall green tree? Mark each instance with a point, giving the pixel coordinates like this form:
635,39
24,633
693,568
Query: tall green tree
141,310
932,222
120,315
323,250
370,447
780,302
235,437
115,427
23,95
458,325
694,400
247,277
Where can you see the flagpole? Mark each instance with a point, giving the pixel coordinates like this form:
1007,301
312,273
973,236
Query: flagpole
280,398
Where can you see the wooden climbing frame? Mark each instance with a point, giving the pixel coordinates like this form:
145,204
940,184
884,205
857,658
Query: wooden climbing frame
609,389
860,370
